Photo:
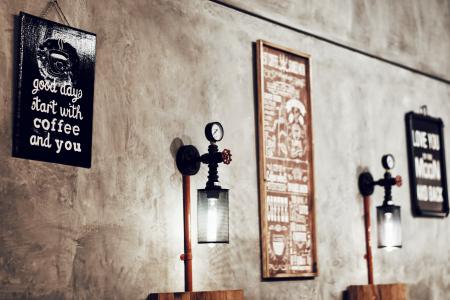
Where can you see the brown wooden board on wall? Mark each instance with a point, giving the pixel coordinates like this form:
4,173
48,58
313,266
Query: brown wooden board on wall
286,177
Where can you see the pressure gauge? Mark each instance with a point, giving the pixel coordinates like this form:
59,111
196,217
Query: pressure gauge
214,132
388,161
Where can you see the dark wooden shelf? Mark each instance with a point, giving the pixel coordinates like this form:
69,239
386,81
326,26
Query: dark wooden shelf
395,291
211,295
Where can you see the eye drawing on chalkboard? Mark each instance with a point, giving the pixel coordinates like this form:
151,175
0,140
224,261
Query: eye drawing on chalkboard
57,61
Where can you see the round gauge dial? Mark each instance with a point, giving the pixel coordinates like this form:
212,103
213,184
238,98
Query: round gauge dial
388,161
214,132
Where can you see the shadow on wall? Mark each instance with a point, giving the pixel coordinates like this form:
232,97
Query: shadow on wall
175,145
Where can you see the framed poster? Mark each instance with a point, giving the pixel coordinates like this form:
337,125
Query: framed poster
55,90
286,173
426,162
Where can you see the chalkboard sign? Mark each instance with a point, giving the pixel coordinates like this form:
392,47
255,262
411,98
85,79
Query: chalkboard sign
286,172
54,97
427,170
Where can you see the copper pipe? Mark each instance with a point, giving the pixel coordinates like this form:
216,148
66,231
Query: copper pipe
187,255
368,240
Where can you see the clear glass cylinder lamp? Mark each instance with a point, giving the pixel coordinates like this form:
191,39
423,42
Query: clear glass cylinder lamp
389,227
213,216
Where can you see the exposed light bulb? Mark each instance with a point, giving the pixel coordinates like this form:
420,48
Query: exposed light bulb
212,219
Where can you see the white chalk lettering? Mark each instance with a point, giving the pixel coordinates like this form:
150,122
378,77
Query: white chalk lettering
59,114
40,106
72,111
427,170
68,90
58,145
420,139
56,125
43,85
433,141
40,141
429,193
67,145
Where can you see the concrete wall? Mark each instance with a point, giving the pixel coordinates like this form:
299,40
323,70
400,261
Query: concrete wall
166,68
415,33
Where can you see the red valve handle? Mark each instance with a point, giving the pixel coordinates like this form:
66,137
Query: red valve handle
226,156
398,180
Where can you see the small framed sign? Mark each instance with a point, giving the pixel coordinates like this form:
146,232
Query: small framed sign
427,169
55,90
286,172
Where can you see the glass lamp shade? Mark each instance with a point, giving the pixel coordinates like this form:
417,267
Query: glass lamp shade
212,216
389,227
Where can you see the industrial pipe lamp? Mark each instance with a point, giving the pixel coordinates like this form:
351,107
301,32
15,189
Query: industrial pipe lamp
212,201
388,214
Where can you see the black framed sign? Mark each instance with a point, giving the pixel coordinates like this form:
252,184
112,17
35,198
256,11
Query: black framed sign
54,96
427,169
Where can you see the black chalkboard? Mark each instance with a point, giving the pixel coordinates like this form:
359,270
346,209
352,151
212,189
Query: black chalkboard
427,169
55,89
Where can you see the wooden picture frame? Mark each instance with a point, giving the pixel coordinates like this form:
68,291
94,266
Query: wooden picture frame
286,172
427,167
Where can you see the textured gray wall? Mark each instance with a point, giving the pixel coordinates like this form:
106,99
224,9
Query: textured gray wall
166,68
412,32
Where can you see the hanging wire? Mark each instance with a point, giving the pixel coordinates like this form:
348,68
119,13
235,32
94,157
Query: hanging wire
46,9
55,5
61,13
424,110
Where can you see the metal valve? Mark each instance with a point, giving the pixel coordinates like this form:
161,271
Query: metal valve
226,156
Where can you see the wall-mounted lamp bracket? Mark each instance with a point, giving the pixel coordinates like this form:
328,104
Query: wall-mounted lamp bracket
212,203
366,185
188,160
